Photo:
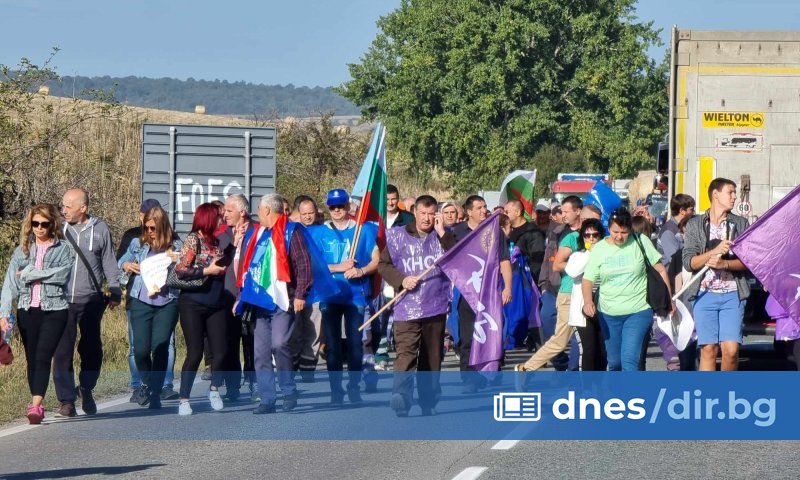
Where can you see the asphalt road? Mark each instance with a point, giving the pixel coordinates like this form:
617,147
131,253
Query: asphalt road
126,440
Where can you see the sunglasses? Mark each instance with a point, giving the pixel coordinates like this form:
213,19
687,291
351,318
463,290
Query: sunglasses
338,207
591,235
36,224
148,228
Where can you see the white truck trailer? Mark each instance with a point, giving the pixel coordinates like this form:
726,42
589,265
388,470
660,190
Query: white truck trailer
734,112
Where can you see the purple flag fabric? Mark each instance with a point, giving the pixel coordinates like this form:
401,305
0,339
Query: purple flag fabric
769,250
473,266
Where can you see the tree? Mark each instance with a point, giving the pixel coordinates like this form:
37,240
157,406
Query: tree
315,156
477,87
37,134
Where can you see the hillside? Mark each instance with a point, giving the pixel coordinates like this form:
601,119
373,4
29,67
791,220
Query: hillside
220,97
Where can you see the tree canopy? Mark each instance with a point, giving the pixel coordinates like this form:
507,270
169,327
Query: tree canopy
477,87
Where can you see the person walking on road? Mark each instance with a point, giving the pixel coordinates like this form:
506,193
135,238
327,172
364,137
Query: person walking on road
36,278
153,314
94,263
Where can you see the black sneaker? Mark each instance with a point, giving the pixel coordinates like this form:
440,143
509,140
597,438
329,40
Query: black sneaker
155,401
289,402
429,412
139,395
354,395
87,401
206,375
66,410
144,395
262,409
167,393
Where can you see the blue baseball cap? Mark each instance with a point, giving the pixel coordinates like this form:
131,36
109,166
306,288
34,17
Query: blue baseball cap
147,204
337,196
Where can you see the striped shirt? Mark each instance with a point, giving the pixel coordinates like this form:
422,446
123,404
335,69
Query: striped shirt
38,264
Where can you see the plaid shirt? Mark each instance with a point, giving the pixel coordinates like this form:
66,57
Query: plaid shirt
38,264
300,265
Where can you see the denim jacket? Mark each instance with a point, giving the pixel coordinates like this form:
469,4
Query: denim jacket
137,252
53,277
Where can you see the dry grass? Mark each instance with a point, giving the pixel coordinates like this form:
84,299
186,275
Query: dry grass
114,377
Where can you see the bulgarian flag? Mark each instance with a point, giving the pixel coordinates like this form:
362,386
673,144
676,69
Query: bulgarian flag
370,186
518,185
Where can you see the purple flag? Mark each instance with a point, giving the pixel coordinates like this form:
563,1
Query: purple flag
769,250
473,266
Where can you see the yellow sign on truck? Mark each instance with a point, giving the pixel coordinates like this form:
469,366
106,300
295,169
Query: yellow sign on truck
734,113
733,119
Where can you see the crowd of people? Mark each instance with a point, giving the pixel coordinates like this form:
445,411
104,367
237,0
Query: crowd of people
263,301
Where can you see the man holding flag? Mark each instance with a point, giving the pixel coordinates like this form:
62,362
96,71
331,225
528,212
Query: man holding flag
719,297
467,313
352,273
275,281
407,264
475,266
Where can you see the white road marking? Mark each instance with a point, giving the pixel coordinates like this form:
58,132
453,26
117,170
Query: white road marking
470,473
505,444
17,429
101,406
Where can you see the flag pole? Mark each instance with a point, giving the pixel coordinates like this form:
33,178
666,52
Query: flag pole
359,221
395,299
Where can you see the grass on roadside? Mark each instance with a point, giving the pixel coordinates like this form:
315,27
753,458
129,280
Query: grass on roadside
114,376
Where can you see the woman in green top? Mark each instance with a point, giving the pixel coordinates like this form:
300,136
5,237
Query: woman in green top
618,264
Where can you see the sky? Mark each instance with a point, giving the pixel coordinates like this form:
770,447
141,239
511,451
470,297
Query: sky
299,42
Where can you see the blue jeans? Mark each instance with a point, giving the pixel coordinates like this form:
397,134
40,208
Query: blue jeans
332,314
271,337
549,316
624,335
136,379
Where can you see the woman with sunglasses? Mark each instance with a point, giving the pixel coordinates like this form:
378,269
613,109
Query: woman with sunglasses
153,314
591,348
617,263
36,277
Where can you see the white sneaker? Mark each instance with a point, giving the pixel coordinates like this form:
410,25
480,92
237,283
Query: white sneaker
215,399
184,408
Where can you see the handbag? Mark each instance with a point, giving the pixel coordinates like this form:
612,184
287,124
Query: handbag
174,281
657,291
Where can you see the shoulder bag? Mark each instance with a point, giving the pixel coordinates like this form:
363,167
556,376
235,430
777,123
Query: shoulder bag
657,291
174,281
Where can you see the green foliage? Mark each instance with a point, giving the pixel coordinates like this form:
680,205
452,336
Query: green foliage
551,160
477,87
219,97
315,156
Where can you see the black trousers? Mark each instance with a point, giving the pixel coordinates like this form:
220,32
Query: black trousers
591,346
86,317
41,331
248,350
233,363
199,321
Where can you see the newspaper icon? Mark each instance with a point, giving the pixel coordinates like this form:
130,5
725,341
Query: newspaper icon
517,407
